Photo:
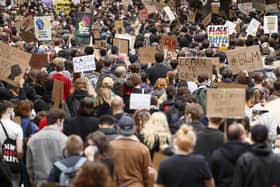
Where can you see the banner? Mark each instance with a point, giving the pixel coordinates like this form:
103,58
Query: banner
122,44
43,28
270,24
253,27
83,28
62,6
191,67
39,61
218,35
13,64
84,63
169,42
140,101
244,58
225,103
26,24
147,55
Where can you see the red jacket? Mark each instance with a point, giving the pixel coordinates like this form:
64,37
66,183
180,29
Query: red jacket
67,84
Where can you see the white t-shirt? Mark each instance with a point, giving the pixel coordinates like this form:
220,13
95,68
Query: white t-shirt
14,131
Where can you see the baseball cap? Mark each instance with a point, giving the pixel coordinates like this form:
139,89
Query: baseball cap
126,125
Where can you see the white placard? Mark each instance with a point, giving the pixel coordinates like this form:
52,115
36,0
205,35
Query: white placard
140,101
84,63
253,27
169,13
231,27
270,24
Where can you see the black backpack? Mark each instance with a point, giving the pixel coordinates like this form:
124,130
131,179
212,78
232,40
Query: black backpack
9,149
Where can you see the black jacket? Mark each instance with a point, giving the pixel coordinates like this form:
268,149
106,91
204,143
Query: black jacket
223,160
259,167
73,102
111,133
81,125
158,70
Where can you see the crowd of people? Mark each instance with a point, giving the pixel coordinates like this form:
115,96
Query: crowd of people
95,139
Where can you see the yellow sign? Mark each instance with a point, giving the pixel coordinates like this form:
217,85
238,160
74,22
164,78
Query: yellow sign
62,6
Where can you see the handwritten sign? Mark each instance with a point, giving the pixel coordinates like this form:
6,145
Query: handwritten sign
225,103
26,24
245,7
84,63
169,42
58,94
231,27
253,27
43,28
39,61
122,44
218,35
143,14
139,101
13,64
270,24
191,67
62,6
169,13
245,58
147,55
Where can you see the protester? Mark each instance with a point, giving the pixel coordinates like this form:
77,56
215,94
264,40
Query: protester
107,126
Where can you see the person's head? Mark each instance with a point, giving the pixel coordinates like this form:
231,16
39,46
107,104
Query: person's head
55,117
80,84
160,84
141,117
135,78
259,134
276,85
117,104
6,108
258,78
86,107
120,72
126,126
24,108
115,50
193,112
171,92
100,141
106,121
93,174
159,57
74,145
135,68
185,139
171,77
59,64
203,77
174,64
216,121
89,50
236,132
107,82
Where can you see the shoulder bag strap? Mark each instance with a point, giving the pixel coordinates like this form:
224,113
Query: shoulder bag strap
5,131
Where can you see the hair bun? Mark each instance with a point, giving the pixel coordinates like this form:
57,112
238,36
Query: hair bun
185,129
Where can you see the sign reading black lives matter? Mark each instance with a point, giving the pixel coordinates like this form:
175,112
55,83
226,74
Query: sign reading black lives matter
190,68
245,58
84,63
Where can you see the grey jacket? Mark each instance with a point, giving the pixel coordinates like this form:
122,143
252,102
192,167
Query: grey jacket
43,149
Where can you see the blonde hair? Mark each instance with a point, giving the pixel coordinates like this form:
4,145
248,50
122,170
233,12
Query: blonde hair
74,145
160,83
104,95
83,84
156,127
185,138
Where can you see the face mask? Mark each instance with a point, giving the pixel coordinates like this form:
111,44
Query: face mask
276,150
95,149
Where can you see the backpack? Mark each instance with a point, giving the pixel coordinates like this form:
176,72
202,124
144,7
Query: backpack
73,104
9,149
68,173
200,95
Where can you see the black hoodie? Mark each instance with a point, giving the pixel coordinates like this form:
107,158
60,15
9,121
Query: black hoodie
223,160
259,167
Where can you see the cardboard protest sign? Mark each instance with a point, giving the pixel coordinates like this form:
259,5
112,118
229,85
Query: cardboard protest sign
150,6
147,55
42,26
225,103
169,42
245,58
58,94
25,24
191,67
169,13
13,64
218,35
253,27
83,28
245,7
143,14
270,24
122,44
84,63
140,101
231,26
28,36
231,85
160,5
215,7
39,61
100,44
207,19
130,38
62,6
